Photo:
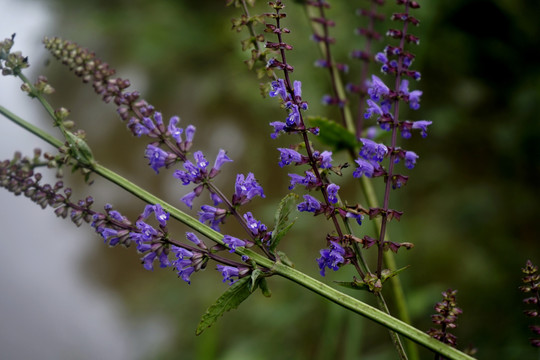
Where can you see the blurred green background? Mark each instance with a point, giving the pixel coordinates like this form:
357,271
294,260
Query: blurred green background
470,204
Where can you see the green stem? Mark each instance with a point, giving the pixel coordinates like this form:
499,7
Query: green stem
337,297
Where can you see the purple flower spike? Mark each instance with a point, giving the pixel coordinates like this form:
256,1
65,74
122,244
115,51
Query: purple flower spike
288,156
422,126
309,204
156,156
228,272
332,190
410,159
233,242
331,258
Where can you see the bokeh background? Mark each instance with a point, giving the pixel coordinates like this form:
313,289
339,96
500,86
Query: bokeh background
470,205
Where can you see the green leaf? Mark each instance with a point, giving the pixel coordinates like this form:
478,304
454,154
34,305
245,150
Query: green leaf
333,134
287,206
284,258
263,285
388,274
230,299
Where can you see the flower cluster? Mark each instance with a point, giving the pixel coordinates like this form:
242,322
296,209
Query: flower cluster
447,313
531,287
18,176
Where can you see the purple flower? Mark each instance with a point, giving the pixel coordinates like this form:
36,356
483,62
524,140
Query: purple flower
146,231
215,198
377,89
176,132
381,57
115,215
109,234
372,150
294,116
256,227
331,257
372,108
233,242
228,272
148,260
161,215
221,159
137,128
246,188
410,159
278,128
309,204
183,263
190,133
288,156
310,181
357,217
422,126
326,160
332,190
414,96
297,89
156,156
188,199
194,173
364,168
193,238
279,88
213,215
184,270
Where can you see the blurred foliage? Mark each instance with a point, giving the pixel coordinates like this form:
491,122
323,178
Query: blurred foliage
470,204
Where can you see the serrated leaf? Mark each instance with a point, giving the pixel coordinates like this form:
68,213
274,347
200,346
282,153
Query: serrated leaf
230,299
333,134
283,224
